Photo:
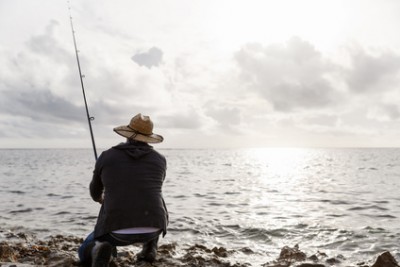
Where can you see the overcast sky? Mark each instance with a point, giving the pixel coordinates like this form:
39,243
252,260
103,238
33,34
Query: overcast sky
210,73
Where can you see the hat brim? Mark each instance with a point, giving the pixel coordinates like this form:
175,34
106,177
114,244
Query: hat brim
127,132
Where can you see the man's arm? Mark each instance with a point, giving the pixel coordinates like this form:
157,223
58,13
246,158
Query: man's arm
96,189
96,185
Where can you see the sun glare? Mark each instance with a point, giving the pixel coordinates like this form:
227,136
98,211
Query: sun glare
278,162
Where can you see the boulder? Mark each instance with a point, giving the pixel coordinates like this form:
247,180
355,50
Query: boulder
289,254
385,260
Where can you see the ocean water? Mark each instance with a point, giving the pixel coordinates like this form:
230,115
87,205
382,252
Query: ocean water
338,201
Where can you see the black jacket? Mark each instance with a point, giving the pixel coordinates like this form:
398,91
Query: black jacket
131,176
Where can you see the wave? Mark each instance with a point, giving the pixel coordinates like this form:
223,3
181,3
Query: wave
368,207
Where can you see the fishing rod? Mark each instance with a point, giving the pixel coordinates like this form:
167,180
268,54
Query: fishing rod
89,118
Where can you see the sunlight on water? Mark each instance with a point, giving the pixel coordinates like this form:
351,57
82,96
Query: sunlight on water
339,200
280,194
278,162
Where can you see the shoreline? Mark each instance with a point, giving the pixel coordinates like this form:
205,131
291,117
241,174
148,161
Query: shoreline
19,249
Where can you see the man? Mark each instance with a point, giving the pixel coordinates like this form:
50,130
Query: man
127,182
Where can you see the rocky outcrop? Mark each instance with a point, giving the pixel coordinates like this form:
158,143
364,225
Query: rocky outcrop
23,250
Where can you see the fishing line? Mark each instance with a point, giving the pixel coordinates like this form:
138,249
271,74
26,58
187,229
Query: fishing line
89,118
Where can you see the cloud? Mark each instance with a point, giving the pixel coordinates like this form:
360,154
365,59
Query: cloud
226,116
151,58
372,73
291,76
187,120
47,45
273,90
41,105
323,119
40,88
384,112
300,89
36,83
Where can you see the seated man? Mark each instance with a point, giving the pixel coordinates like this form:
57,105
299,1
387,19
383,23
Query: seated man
127,181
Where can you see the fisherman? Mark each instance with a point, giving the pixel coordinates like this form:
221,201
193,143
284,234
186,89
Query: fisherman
127,182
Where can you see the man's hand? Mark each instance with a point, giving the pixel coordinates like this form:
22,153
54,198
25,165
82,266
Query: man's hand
100,200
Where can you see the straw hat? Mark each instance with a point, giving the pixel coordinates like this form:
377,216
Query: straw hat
140,129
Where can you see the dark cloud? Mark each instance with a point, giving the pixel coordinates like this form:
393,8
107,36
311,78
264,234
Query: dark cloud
287,96
151,58
290,77
40,105
43,107
372,73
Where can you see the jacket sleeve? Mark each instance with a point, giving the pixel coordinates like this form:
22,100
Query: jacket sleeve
96,185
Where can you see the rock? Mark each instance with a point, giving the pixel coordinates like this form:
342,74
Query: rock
26,250
246,251
362,264
332,261
6,252
220,252
310,265
276,264
318,256
199,247
287,257
289,254
385,260
167,250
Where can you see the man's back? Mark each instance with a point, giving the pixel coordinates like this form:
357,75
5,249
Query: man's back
127,182
132,175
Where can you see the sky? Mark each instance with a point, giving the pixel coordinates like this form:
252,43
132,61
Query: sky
209,73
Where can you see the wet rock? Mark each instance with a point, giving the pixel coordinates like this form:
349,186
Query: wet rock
167,250
333,261
362,264
246,251
322,254
220,252
318,256
199,247
26,250
310,265
289,254
6,252
385,260
287,257
199,255
297,258
276,264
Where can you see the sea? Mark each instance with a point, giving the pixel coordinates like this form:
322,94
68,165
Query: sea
342,202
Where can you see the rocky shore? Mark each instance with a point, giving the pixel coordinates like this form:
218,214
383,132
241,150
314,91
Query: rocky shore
18,249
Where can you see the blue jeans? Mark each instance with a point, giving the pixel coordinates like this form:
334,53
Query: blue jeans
116,240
